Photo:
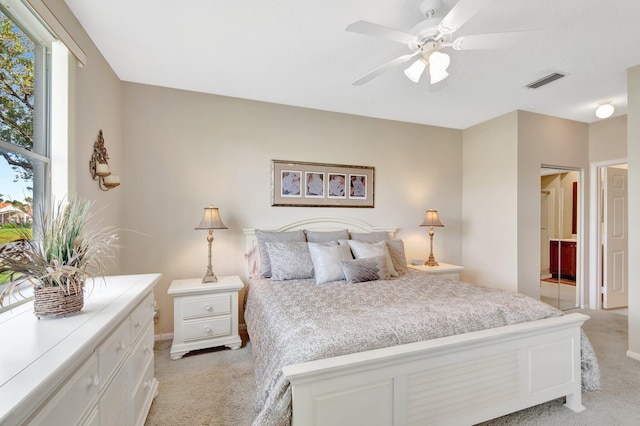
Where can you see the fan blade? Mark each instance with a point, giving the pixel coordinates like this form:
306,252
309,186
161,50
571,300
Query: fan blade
369,28
383,68
488,41
460,14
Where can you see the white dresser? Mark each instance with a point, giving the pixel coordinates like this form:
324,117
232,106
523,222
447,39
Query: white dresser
205,315
94,367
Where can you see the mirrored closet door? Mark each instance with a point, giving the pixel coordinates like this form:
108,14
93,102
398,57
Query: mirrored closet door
559,236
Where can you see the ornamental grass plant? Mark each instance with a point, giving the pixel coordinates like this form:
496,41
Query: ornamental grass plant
65,250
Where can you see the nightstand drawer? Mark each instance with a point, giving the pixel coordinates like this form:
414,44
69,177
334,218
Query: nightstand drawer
205,306
207,328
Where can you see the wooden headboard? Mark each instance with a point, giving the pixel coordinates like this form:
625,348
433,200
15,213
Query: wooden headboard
320,224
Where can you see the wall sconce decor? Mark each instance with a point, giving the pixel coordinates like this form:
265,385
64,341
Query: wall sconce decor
431,220
210,221
99,166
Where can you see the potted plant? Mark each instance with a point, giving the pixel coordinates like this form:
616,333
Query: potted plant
57,261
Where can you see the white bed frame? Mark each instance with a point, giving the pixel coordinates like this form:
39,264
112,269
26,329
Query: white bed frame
459,380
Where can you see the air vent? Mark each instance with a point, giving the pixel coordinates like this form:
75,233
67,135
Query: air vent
545,80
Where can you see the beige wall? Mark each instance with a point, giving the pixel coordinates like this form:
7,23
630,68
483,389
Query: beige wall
608,139
95,103
501,194
489,203
545,140
185,150
633,156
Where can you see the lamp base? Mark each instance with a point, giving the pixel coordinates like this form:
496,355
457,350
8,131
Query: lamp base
209,277
431,261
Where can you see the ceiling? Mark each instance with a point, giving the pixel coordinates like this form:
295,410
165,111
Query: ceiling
297,52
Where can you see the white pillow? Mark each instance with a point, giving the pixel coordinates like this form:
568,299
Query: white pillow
326,261
363,250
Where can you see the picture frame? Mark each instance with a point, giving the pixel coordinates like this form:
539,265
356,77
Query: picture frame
306,184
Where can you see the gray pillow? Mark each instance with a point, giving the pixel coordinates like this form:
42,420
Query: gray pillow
263,237
290,260
324,236
362,249
326,261
369,236
366,269
398,258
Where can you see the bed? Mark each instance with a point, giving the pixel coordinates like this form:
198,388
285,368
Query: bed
412,349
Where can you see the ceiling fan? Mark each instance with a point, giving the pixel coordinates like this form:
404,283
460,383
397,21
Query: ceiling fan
427,40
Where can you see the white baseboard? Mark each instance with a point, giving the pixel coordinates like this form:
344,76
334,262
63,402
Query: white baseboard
633,355
163,336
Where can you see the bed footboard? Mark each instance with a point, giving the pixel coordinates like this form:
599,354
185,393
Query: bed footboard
461,379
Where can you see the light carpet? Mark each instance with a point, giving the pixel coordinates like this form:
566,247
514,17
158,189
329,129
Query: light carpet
215,387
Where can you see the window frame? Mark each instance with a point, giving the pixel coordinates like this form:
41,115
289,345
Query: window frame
33,27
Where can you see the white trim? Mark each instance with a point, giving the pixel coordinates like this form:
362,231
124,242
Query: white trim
633,355
58,29
595,268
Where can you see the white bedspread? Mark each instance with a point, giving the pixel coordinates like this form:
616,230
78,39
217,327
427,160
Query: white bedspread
295,321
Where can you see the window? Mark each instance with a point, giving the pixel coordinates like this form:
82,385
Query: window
25,57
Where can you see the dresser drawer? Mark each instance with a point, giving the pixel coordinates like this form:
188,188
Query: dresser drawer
141,316
142,393
70,403
206,328
142,353
204,306
113,351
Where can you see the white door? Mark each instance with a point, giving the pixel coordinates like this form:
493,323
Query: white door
615,285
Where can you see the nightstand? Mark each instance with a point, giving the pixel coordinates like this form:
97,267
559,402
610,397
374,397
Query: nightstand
444,270
205,315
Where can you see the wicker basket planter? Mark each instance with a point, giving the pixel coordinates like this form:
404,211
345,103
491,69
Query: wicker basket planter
56,302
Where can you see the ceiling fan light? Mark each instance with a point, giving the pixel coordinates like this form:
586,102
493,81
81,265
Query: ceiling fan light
414,71
605,111
438,63
438,76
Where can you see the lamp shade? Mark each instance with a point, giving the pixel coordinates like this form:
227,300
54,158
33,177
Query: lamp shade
438,64
414,72
211,219
431,219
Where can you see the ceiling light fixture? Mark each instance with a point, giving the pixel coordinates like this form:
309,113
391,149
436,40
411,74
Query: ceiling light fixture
605,111
438,64
414,72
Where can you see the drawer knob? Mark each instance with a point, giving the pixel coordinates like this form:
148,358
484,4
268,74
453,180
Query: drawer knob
121,346
147,348
137,324
95,380
207,307
207,329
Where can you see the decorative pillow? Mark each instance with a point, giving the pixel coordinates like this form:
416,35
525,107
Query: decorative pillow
290,260
326,261
369,236
398,258
324,236
363,249
263,237
366,269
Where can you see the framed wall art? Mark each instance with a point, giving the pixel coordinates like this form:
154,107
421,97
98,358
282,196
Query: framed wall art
304,184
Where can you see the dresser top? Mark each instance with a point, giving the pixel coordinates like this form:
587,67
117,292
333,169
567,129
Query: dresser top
37,354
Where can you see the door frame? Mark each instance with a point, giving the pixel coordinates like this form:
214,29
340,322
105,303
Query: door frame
580,244
595,240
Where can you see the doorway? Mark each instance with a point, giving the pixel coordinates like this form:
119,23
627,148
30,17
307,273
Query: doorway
612,240
560,277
